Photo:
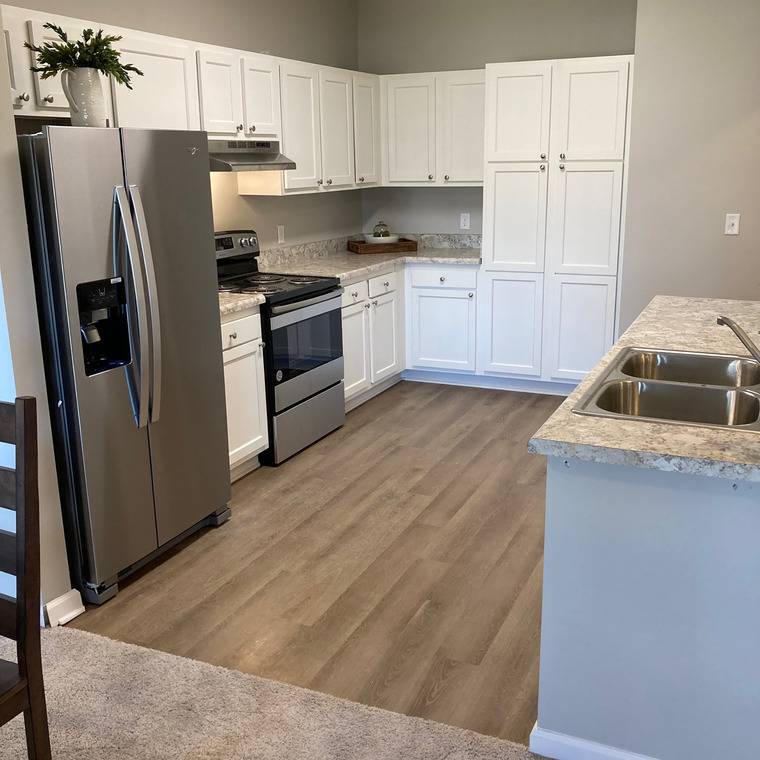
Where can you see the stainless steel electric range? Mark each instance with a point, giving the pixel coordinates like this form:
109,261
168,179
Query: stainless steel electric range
303,351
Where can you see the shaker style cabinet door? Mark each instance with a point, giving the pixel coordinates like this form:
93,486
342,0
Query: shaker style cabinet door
589,109
411,128
220,93
336,108
261,95
299,89
583,234
514,217
579,327
356,369
509,323
367,129
461,103
167,96
518,104
385,356
19,60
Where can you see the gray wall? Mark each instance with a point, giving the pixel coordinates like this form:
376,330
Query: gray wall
398,36
320,32
423,209
695,153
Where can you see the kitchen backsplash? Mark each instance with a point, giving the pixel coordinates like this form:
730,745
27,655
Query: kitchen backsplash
322,249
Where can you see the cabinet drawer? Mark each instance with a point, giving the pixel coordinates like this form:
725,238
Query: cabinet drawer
444,277
241,331
355,293
383,283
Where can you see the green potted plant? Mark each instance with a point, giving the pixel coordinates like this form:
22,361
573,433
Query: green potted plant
79,63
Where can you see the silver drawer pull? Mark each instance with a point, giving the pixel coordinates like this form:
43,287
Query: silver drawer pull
470,295
48,98
24,96
355,295
262,345
374,303
233,336
386,284
366,306
443,279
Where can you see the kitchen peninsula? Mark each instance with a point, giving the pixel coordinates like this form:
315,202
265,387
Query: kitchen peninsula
650,641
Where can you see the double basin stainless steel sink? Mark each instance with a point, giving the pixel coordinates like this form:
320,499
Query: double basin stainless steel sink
679,387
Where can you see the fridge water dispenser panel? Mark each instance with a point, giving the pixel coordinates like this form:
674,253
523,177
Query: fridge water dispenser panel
103,325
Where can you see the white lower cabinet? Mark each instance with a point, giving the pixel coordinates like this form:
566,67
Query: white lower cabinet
356,376
509,324
385,357
244,386
580,324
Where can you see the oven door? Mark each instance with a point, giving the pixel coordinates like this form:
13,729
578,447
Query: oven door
306,348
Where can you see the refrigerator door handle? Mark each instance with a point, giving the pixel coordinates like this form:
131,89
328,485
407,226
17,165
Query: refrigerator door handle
122,210
155,320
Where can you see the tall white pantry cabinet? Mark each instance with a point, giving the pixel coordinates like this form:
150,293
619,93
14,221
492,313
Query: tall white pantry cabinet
555,153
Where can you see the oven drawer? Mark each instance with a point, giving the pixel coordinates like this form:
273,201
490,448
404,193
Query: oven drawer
444,277
383,283
355,293
240,331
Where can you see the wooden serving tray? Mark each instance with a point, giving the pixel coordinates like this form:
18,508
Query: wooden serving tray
402,246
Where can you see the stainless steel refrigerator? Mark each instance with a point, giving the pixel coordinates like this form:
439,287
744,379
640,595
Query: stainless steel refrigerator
122,237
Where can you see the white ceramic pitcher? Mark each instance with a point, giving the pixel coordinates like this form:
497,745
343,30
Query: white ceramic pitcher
84,91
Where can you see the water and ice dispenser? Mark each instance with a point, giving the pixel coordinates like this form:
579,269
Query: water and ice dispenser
103,324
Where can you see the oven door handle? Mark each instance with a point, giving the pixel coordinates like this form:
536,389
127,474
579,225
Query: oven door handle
308,302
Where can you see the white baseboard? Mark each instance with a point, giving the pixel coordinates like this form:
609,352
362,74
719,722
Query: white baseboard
64,608
488,381
243,468
564,747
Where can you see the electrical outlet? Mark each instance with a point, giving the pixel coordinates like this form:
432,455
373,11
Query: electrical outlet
732,224
280,233
464,221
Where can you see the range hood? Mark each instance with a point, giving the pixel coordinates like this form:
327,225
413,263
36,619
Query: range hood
247,156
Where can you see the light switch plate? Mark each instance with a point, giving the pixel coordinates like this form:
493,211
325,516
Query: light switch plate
732,224
280,233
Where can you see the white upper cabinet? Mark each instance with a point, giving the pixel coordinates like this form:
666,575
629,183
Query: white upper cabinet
461,116
583,233
19,60
220,92
589,109
514,217
411,115
261,95
167,96
299,84
519,106
336,127
367,129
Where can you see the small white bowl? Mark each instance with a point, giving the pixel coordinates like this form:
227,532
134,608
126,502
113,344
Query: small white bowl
370,238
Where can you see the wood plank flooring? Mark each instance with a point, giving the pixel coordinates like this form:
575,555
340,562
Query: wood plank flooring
396,563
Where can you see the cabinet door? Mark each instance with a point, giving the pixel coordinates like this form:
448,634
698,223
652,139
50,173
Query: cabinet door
518,103
462,109
19,60
167,96
443,328
356,371
514,217
336,109
583,235
299,85
367,129
385,355
411,128
589,109
261,95
246,401
220,93
48,92
510,319
580,328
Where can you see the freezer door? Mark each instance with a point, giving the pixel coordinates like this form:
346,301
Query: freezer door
168,176
79,169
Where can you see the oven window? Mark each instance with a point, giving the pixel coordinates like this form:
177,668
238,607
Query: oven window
307,344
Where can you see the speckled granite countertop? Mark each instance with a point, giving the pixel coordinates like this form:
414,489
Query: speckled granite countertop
229,303
685,324
355,266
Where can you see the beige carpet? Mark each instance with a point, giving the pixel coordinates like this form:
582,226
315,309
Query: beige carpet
109,700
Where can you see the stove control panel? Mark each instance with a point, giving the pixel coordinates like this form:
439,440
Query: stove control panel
236,243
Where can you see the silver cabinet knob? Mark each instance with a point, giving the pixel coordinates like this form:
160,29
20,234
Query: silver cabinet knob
386,284
329,182
430,176
543,156
239,127
470,295
562,156
446,176
252,128
355,295
543,168
49,98
24,96
233,336
442,279
319,181
366,306
262,345
562,166
361,179
374,303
